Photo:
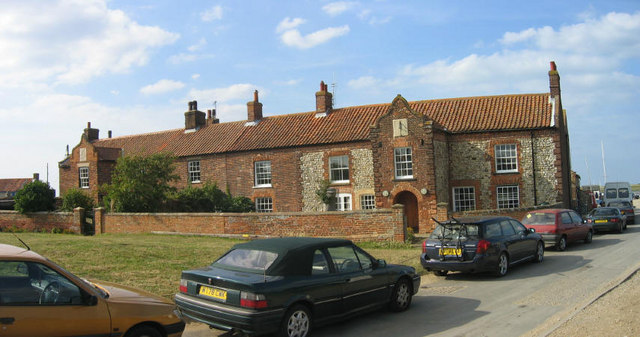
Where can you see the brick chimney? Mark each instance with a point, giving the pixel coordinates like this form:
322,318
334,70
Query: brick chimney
90,133
323,99
211,117
554,80
194,119
254,109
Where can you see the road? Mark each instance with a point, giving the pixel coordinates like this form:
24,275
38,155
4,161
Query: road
531,296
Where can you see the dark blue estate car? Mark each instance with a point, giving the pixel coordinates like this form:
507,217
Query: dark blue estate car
289,285
479,244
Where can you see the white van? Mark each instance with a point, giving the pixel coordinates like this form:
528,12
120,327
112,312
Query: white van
617,191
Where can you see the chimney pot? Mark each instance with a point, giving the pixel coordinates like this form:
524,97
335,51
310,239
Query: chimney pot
323,99
553,65
254,109
109,132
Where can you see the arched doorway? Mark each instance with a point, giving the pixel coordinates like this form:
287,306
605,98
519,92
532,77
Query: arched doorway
410,203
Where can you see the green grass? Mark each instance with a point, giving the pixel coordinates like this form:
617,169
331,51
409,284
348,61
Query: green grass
153,262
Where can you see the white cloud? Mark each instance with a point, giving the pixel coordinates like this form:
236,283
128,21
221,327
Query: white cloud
161,87
198,46
40,42
337,8
185,58
211,14
288,24
293,38
364,82
195,76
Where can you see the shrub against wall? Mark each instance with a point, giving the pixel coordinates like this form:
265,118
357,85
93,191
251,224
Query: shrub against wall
76,198
35,196
208,198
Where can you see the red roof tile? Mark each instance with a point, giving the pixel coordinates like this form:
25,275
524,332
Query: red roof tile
456,115
13,185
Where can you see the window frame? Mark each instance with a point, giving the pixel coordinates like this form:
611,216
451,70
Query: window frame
506,159
341,202
403,168
83,179
457,202
341,171
367,201
262,174
509,201
263,205
192,172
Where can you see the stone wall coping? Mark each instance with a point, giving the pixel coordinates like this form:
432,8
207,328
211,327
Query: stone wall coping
265,214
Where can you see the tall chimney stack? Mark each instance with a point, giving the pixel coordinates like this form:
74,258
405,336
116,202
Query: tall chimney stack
323,99
194,119
91,133
254,109
554,80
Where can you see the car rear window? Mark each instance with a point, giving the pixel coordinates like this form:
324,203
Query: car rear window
604,211
611,193
248,258
623,193
539,218
455,232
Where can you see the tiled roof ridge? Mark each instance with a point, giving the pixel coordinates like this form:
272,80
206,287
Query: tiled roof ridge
97,141
477,97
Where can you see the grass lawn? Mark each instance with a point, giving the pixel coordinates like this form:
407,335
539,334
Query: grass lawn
153,262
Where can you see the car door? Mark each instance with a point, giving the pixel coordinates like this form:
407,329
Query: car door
528,243
41,302
580,227
361,288
511,241
567,226
325,288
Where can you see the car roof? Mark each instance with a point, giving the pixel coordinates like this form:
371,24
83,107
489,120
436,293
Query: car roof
481,219
9,251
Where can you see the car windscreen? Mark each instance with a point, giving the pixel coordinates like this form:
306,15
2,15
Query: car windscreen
455,232
539,218
248,259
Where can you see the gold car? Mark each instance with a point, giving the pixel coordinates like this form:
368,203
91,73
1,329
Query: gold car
40,298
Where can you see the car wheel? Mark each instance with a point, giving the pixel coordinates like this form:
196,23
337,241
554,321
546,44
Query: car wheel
401,297
539,252
143,331
503,265
441,272
297,322
562,244
589,237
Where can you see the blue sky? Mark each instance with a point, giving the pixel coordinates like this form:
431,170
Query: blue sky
132,66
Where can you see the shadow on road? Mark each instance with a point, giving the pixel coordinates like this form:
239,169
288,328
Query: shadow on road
420,320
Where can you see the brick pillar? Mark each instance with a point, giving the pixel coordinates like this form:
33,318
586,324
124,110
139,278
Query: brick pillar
98,220
79,219
400,232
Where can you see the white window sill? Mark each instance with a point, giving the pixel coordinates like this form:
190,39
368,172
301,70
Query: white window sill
263,186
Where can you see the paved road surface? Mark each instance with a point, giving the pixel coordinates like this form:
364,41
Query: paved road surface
482,305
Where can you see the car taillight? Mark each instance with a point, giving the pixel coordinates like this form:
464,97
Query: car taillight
183,285
424,246
251,300
482,247
614,220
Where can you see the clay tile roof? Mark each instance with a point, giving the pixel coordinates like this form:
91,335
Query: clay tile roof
349,124
13,185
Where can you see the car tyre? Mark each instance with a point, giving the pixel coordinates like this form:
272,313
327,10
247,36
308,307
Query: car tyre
562,244
143,331
297,322
589,237
401,296
539,253
440,272
503,265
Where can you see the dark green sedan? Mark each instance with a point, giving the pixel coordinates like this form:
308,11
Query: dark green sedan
290,285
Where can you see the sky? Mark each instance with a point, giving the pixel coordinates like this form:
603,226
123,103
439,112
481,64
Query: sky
132,66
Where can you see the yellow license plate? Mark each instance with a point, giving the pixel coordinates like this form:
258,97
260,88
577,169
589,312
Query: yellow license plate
451,251
213,292
601,221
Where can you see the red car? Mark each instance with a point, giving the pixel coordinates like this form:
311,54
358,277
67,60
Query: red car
559,227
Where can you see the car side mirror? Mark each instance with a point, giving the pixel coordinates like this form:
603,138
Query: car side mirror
532,230
379,264
91,300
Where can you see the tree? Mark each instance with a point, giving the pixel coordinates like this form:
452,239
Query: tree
35,196
76,198
141,184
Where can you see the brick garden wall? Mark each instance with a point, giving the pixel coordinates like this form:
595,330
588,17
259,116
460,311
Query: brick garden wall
371,225
40,221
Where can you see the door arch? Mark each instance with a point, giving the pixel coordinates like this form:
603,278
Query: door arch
410,203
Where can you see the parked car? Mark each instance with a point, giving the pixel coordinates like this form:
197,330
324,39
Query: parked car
608,219
290,285
626,208
40,298
478,244
559,227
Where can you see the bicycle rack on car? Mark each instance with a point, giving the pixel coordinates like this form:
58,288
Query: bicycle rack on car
449,226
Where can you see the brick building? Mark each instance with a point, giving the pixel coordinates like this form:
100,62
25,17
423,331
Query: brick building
471,153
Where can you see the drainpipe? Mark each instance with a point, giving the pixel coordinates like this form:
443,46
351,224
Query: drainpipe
533,164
